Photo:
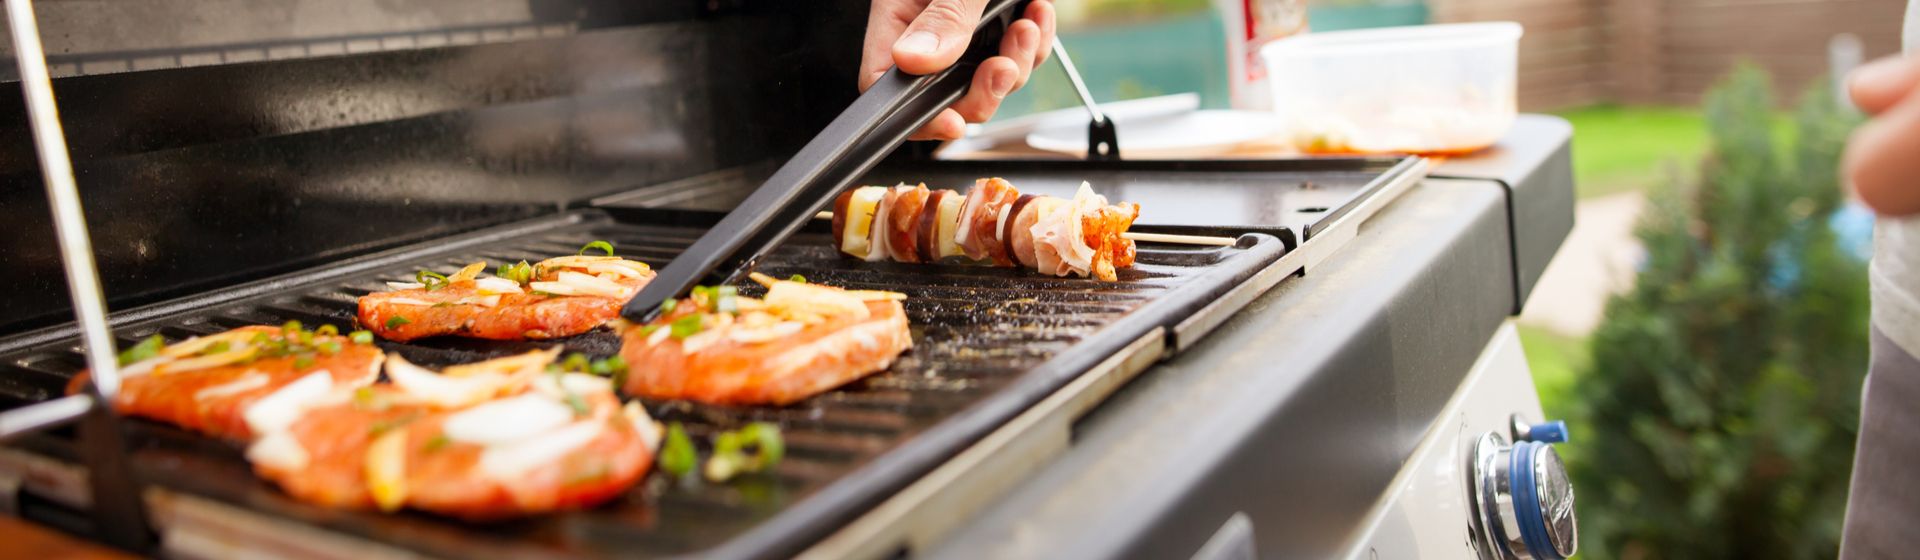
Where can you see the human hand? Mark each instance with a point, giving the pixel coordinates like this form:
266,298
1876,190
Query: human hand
1883,156
926,36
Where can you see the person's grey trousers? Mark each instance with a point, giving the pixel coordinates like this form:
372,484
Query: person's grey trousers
1883,501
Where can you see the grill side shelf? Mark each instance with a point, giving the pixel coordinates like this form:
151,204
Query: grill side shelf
989,345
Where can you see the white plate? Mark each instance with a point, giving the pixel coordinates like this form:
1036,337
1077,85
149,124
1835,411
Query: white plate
1177,135
1006,130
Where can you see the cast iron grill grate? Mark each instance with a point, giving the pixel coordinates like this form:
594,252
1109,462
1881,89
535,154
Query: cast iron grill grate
982,336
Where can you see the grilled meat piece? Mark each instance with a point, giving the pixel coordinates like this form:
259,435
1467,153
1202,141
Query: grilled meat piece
797,342
562,297
494,440
232,384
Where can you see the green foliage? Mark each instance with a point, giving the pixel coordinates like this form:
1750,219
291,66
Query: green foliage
1719,414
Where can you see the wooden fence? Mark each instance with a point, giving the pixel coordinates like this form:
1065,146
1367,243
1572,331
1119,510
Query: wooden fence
1579,52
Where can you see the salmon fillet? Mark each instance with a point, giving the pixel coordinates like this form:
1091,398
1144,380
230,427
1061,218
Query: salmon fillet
562,297
540,443
180,388
800,341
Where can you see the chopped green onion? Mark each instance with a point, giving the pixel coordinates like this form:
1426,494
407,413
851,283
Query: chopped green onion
396,321
766,439
619,375
216,348
668,305
688,326
575,362
730,451
145,349
797,278
435,443
367,398
728,299
647,330
361,337
303,361
432,280
290,329
521,273
601,245
328,347
327,330
677,456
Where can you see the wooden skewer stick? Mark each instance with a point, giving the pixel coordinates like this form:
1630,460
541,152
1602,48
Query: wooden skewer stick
1139,236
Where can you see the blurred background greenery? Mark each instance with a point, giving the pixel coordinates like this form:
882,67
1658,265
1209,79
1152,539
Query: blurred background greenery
1713,387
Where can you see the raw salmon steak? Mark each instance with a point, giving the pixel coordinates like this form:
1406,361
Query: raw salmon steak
799,341
236,383
554,298
498,439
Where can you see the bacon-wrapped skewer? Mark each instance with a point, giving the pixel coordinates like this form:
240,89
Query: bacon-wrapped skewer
992,224
496,439
554,298
800,340
238,383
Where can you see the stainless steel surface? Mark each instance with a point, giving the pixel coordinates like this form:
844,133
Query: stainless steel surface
1499,511
70,225
1487,543
1079,85
1556,501
43,415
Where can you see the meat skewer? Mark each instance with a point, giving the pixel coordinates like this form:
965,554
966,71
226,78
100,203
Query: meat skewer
800,340
992,224
1172,238
554,298
490,440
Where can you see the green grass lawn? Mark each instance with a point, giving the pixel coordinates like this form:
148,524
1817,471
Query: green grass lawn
1555,360
1622,148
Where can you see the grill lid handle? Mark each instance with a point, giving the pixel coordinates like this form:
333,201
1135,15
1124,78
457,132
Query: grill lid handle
876,123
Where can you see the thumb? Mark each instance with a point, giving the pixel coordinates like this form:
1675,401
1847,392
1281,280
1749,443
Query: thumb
938,36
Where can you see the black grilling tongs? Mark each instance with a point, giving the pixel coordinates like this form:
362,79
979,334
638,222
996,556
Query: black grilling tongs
877,122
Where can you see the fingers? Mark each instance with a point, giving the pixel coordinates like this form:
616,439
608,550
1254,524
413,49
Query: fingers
1879,162
946,126
936,39
886,20
1040,12
1880,84
938,36
997,77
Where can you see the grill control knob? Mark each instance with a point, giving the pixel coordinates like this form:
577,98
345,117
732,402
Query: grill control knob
1545,432
1522,499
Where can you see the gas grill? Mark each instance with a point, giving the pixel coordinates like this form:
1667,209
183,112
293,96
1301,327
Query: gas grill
1005,365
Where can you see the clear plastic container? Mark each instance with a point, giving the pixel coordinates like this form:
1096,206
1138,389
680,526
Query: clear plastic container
1430,89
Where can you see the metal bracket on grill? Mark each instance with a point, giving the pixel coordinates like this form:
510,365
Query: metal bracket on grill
877,122
1103,140
119,517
